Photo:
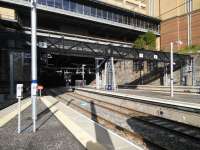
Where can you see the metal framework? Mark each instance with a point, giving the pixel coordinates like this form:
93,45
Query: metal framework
61,45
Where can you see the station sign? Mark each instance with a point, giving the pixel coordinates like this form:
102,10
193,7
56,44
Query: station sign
155,56
40,87
42,44
19,93
141,55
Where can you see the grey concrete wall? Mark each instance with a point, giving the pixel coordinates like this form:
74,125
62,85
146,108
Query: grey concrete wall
125,74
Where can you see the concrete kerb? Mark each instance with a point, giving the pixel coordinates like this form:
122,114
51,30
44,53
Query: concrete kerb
145,98
174,113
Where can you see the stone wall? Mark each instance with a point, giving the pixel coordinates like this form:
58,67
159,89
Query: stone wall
127,75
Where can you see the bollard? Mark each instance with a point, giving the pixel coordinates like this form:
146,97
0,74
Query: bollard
19,96
19,115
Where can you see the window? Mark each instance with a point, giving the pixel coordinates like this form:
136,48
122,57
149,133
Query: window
105,14
66,4
43,2
72,6
115,17
50,3
80,8
99,13
120,18
109,16
129,20
124,20
58,3
93,12
87,10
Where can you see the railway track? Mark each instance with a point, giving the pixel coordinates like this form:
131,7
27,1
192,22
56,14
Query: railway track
184,137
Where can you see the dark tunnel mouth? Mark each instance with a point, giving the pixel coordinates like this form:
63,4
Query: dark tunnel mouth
62,71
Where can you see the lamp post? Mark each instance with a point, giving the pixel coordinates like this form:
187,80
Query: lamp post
34,61
172,67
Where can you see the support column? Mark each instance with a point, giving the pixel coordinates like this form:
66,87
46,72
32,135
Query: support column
113,74
97,73
11,74
105,76
110,83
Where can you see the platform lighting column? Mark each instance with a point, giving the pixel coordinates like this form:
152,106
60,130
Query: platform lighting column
34,61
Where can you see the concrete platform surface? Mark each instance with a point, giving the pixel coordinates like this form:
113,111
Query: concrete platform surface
51,134
183,97
90,134
185,102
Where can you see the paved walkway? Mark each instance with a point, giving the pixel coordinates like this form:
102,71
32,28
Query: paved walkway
191,98
51,134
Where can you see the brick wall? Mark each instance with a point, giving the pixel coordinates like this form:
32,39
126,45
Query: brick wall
176,29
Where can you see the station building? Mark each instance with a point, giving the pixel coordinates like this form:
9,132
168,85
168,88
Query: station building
72,34
179,22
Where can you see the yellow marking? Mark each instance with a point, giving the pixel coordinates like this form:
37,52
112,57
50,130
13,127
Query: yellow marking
7,117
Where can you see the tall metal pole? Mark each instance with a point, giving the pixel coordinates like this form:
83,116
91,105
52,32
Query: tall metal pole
34,61
11,74
114,86
97,74
171,70
105,76
83,74
190,22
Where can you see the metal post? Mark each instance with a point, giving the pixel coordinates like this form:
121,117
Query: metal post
34,61
166,76
19,95
83,74
113,74
19,115
105,76
171,71
193,72
11,74
190,22
97,74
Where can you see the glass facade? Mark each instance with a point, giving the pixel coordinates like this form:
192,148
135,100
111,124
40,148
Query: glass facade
78,7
